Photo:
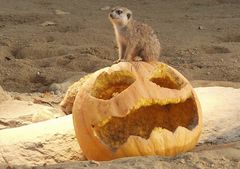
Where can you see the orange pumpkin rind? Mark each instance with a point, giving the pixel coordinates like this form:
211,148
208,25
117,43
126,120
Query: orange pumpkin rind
137,108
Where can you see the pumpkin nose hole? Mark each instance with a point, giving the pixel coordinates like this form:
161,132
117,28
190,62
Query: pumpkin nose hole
142,121
165,77
107,85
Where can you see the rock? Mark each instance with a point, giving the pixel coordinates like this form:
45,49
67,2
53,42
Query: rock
48,23
14,113
42,116
182,161
105,8
69,98
200,27
221,114
42,143
60,12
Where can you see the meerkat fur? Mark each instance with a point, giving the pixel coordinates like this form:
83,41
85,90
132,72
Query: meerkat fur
136,41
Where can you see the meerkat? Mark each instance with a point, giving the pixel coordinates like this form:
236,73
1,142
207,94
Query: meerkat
136,41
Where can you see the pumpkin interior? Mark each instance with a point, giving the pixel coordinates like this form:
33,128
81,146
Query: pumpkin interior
141,122
165,77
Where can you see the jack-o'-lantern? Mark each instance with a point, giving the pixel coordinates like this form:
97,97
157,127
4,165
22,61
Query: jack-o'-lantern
136,108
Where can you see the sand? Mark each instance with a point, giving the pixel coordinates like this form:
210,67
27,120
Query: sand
46,45
57,40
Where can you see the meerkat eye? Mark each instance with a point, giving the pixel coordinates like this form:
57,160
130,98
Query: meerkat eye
119,12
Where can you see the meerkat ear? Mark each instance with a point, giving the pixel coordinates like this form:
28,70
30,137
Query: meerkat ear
128,15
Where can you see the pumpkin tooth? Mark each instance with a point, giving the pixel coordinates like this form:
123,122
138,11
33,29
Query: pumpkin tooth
130,146
181,135
161,142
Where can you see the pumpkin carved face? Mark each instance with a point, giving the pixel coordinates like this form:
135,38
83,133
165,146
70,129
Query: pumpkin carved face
138,108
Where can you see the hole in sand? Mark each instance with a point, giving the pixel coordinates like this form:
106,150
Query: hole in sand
230,38
216,50
107,85
142,121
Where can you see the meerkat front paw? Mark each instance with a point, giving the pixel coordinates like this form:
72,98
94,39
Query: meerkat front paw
137,59
119,60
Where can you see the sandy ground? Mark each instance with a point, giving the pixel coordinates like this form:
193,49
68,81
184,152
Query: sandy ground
199,38
46,45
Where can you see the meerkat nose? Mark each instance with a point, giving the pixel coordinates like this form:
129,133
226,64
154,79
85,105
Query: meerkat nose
111,15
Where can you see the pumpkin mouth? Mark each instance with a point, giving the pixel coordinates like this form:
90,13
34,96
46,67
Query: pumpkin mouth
141,121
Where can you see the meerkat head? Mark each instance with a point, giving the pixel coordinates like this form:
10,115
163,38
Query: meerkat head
120,16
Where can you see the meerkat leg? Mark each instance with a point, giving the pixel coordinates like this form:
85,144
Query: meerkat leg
130,52
121,52
146,54
151,53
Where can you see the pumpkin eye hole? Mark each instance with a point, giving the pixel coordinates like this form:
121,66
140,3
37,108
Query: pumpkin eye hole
164,77
107,85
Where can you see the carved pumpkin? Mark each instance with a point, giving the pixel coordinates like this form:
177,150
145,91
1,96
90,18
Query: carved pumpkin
133,109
